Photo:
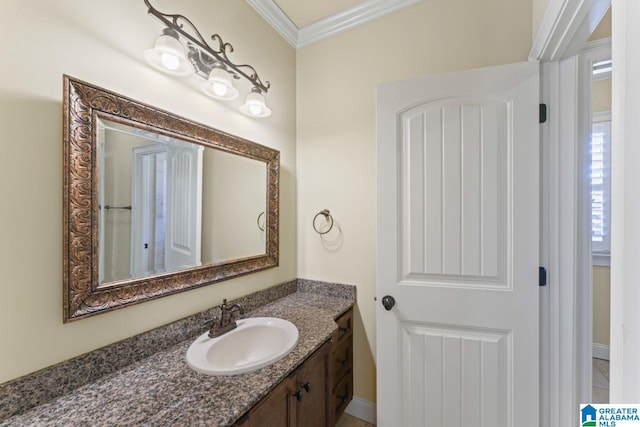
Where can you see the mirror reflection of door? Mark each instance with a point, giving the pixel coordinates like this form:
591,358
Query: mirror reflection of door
167,204
150,203
149,189
166,209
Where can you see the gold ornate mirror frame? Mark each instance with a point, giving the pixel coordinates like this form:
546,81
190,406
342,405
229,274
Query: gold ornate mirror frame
83,295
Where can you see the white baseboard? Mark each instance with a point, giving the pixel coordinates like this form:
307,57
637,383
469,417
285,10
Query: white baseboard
600,351
362,409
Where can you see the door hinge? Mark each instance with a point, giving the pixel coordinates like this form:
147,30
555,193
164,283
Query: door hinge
543,113
542,276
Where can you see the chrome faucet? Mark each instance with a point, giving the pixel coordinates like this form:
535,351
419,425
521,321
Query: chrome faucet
227,320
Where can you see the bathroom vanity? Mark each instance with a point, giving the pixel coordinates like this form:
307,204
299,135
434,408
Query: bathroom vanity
145,380
317,392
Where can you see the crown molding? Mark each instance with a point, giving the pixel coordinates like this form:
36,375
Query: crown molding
279,20
349,18
329,26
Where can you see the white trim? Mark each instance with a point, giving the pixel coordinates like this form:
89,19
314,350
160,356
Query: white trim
566,317
600,351
362,409
562,218
601,259
591,52
625,232
366,11
601,116
565,27
598,50
598,47
279,20
603,76
565,338
329,26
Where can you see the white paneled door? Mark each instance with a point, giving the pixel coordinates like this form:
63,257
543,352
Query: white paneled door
458,207
184,206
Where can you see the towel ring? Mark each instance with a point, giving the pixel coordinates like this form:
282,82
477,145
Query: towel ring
327,216
261,227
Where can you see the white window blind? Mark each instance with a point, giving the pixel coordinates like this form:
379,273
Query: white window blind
601,183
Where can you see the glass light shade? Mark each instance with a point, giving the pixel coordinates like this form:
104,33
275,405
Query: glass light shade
170,61
220,85
168,56
254,105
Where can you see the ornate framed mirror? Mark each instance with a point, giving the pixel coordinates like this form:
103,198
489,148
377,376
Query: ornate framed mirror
156,204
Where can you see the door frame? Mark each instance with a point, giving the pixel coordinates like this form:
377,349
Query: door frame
565,338
593,51
625,340
139,204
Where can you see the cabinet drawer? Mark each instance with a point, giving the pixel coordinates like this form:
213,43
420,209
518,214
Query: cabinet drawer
345,328
342,361
342,395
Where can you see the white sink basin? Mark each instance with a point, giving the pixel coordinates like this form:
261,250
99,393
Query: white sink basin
255,343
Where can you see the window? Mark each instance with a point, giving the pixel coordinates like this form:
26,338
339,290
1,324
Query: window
601,188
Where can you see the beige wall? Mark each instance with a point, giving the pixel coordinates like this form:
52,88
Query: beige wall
601,304
336,129
604,27
601,101
234,194
601,95
102,42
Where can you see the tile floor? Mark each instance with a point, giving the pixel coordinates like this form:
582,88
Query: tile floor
600,381
347,420
600,393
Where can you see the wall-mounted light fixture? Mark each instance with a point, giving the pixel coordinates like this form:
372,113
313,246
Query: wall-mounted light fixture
181,50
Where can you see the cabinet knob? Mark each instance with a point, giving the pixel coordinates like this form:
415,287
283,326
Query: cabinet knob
306,387
347,329
298,395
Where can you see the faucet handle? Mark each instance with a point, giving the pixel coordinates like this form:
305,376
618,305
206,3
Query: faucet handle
210,322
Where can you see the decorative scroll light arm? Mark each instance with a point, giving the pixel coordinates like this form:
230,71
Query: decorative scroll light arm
176,22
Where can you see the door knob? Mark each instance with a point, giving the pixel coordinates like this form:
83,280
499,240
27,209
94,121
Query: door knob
388,302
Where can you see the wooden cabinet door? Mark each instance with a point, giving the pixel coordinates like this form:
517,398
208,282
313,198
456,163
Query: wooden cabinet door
311,381
298,401
274,410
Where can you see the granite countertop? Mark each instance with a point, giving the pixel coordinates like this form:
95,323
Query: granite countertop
162,390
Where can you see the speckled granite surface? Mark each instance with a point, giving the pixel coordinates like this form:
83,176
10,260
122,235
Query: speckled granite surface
326,288
40,387
160,389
